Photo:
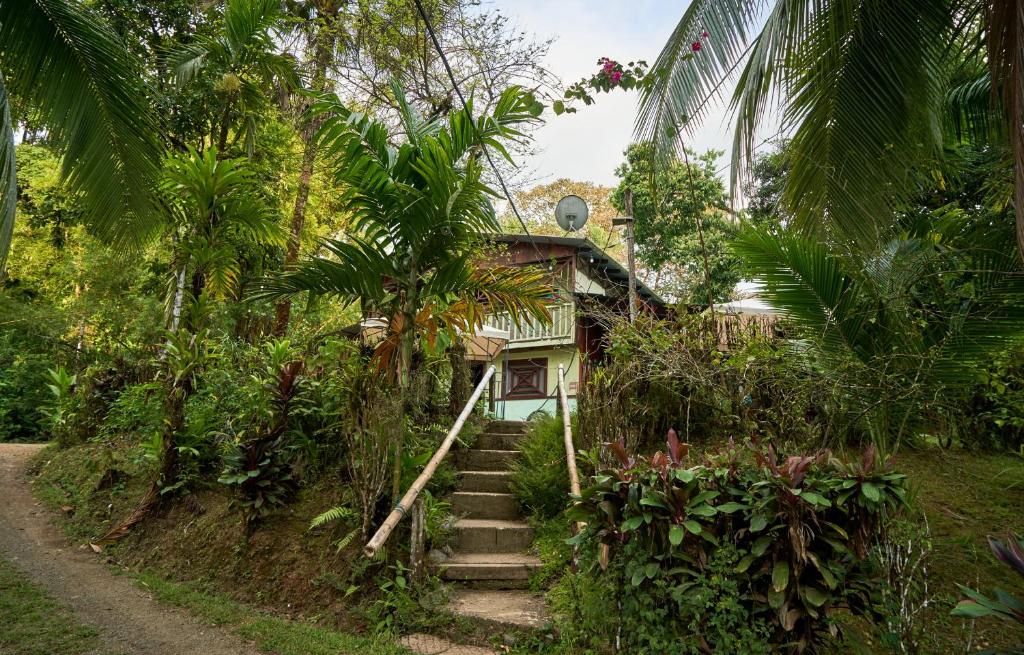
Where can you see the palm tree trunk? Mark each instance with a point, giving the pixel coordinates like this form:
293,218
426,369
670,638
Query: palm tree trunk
225,120
403,372
179,296
324,39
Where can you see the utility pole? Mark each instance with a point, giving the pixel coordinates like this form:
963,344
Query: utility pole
627,220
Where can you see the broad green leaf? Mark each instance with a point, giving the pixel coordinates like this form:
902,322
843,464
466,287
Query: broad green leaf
816,597
676,534
729,508
632,523
780,576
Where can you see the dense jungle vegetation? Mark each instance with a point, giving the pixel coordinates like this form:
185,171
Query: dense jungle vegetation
201,199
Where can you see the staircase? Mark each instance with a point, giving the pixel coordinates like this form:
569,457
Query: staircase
491,536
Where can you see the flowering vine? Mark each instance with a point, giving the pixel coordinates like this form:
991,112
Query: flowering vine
614,75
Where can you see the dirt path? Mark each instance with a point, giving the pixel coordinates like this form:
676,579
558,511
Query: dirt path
128,619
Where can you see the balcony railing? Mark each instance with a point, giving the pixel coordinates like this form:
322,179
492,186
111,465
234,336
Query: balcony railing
561,330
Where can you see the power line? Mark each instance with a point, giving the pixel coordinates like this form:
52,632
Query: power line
476,131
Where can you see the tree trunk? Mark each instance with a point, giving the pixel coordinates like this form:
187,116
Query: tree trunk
404,375
179,297
225,119
324,50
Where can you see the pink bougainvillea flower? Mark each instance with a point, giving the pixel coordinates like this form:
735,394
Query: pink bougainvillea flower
609,66
616,76
696,46
704,34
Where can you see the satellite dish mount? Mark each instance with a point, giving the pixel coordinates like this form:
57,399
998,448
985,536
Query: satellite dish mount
571,213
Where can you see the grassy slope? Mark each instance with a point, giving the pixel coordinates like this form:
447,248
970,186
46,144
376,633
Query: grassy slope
966,497
271,633
35,624
283,586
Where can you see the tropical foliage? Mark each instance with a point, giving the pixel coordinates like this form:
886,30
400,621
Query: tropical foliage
1003,605
419,209
791,534
66,64
864,88
907,325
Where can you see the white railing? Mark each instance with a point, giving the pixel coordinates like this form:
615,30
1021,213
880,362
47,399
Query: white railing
562,326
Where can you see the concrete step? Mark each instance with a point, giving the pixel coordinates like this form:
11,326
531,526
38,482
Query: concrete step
488,481
506,426
485,505
492,536
486,460
507,570
500,610
498,441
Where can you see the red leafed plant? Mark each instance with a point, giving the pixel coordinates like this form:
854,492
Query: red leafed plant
795,531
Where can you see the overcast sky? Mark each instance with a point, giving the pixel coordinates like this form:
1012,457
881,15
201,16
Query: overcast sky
588,145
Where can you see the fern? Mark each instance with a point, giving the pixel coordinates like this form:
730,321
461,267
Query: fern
338,513
343,543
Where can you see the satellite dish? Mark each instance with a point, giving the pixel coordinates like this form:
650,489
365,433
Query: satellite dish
571,212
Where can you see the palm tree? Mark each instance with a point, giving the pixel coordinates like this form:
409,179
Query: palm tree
860,85
244,57
215,209
418,210
904,329
73,75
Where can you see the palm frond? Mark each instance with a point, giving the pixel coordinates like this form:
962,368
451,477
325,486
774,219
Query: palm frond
66,63
969,111
8,178
522,293
685,85
802,277
246,20
757,89
188,59
354,270
866,93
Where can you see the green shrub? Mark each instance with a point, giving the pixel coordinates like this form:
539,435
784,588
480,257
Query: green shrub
540,479
706,378
29,346
993,416
773,544
257,466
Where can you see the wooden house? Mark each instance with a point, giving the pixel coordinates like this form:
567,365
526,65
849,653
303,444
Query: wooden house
587,281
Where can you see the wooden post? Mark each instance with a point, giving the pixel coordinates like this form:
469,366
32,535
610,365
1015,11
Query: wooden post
627,201
417,542
403,507
570,450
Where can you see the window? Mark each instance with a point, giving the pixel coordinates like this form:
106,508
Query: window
526,378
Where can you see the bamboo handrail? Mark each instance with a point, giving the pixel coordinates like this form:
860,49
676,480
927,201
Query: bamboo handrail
570,450
402,508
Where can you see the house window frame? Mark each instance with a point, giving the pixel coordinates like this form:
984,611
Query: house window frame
541,391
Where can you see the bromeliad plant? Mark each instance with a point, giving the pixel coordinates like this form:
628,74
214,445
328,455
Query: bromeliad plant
798,530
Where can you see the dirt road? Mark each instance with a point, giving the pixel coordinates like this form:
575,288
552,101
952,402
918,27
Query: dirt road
129,621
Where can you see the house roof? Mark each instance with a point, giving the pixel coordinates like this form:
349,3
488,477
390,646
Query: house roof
604,263
753,306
